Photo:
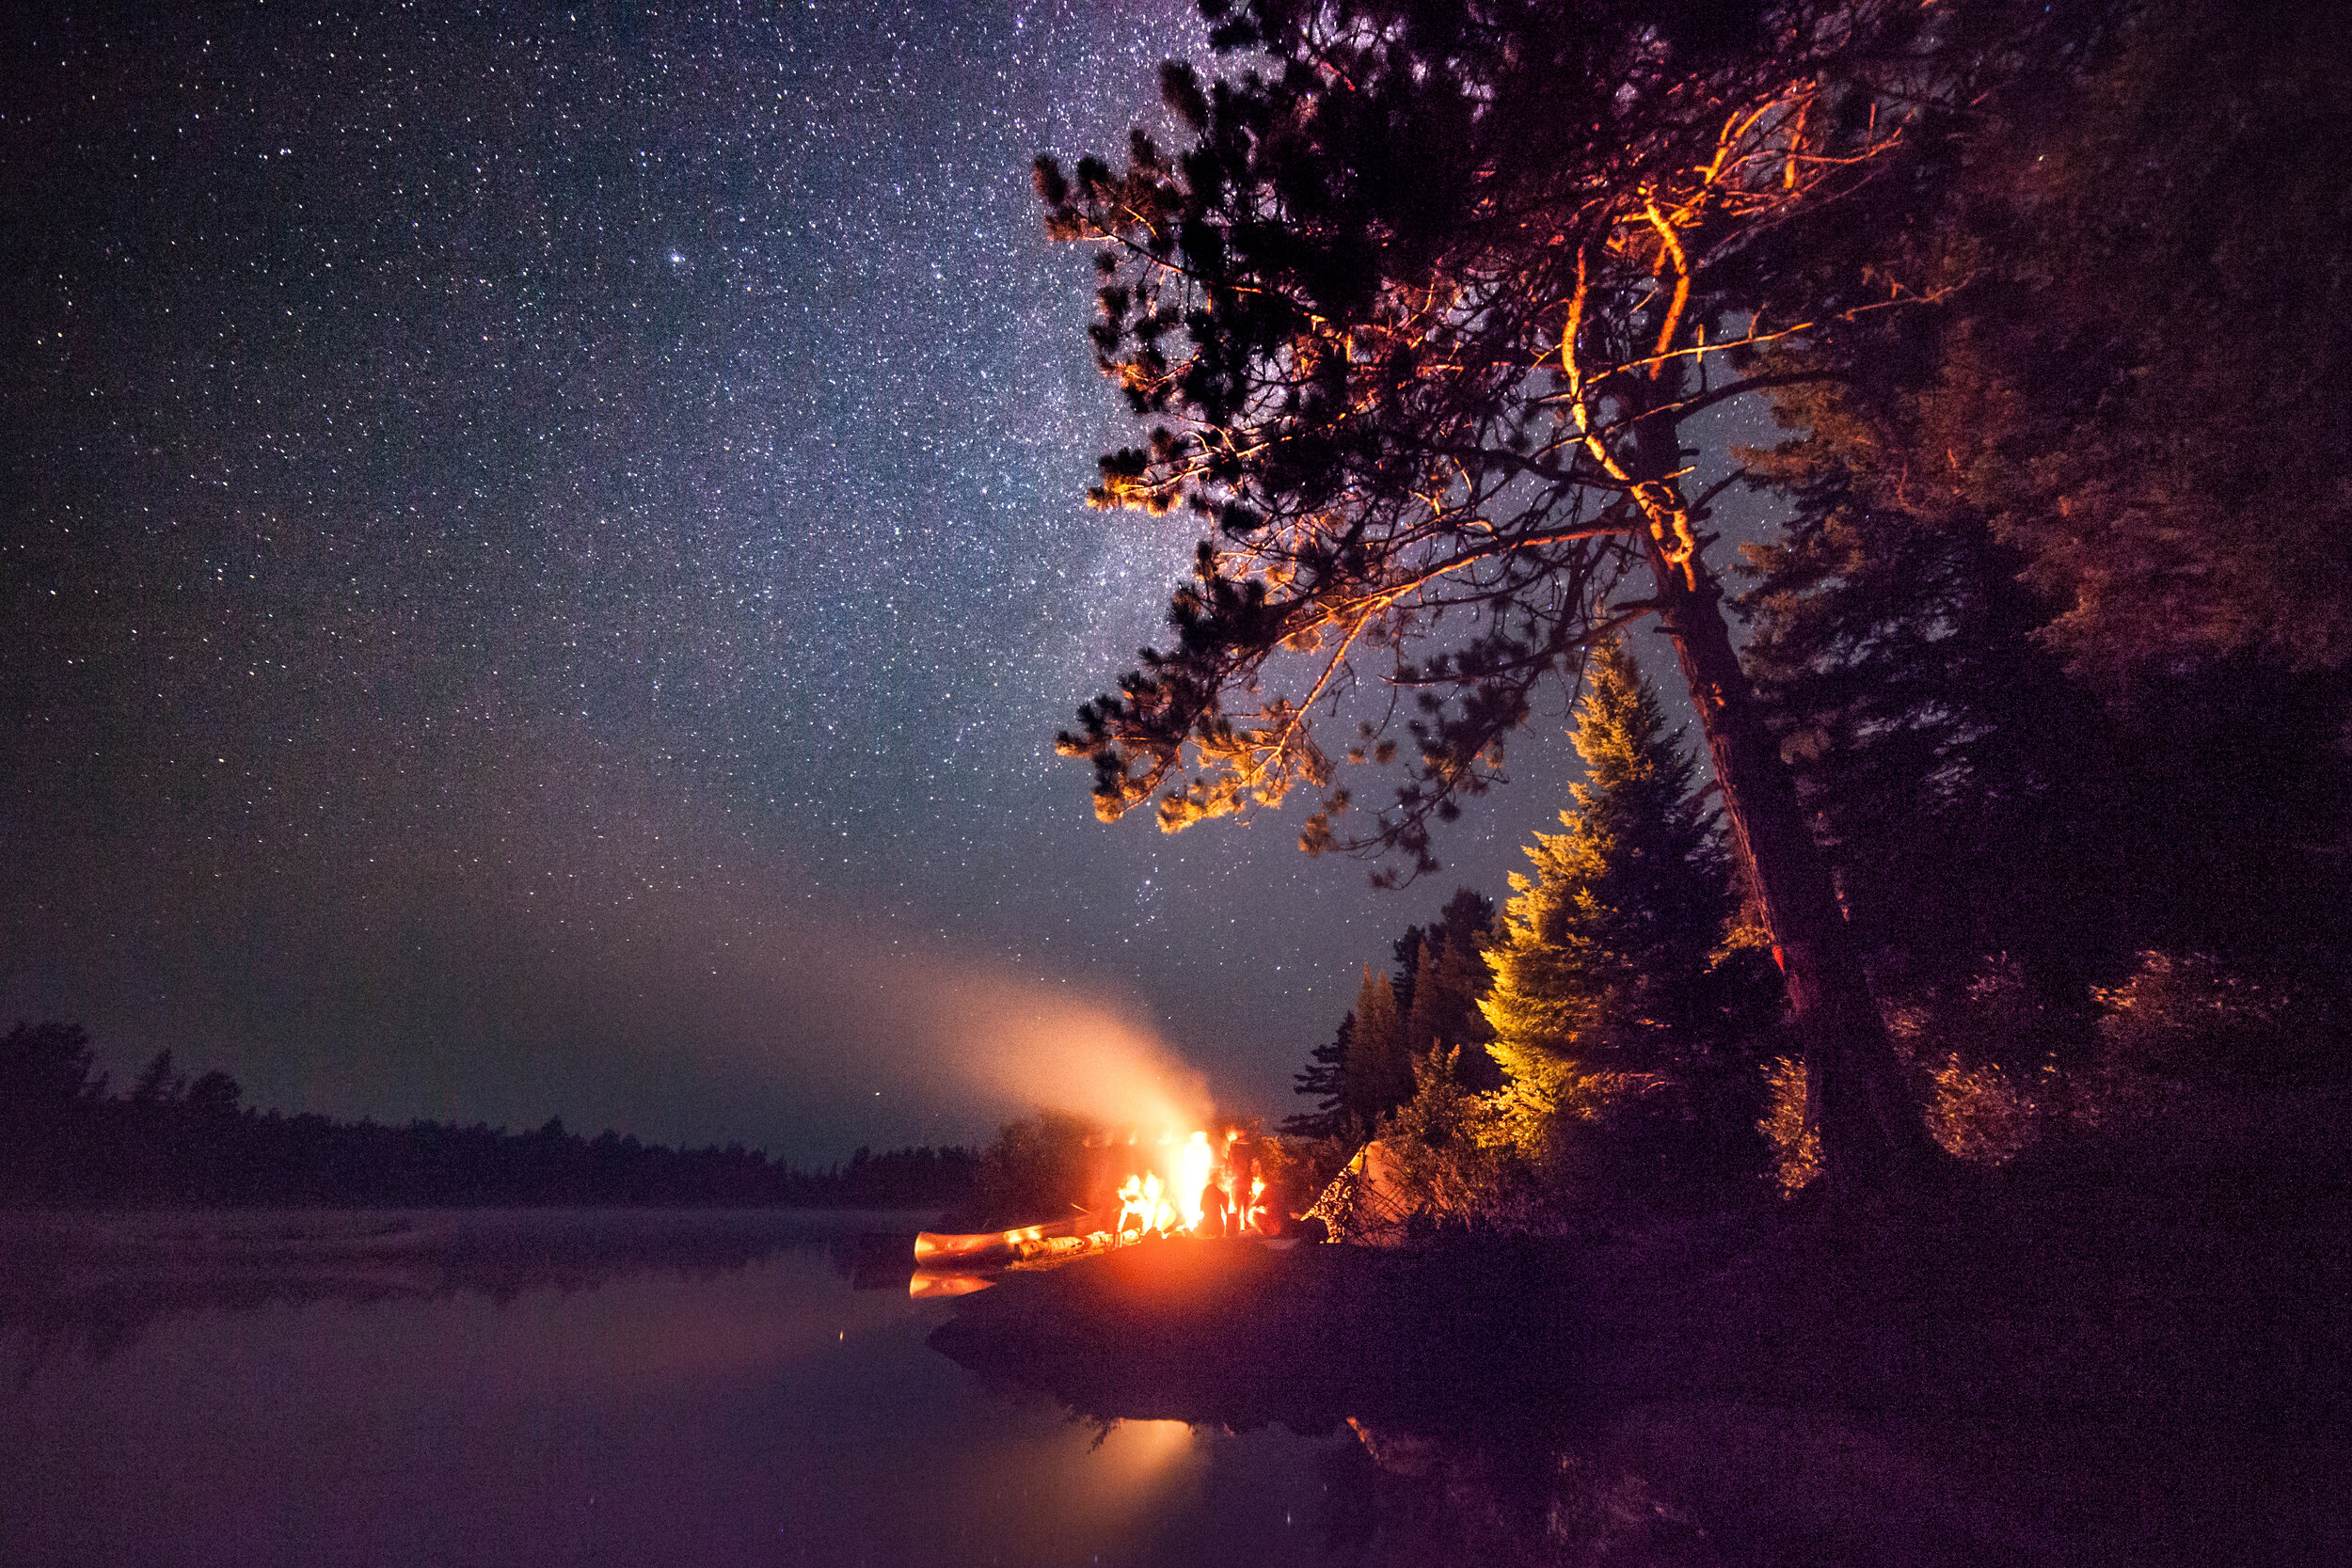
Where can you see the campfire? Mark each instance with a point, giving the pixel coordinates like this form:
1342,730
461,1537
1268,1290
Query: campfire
1200,1184
1208,1192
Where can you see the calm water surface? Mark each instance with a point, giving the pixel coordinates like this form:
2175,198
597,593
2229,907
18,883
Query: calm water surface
559,1387
696,1388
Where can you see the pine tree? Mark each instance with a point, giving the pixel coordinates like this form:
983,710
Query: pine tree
1441,1015
2061,641
1434,992
1421,320
1325,1077
1969,794
1611,980
1379,1070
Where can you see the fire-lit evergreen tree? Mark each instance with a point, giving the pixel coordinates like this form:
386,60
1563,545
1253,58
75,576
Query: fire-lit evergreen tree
1613,983
1423,317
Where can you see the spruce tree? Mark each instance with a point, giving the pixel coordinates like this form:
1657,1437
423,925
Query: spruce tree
1424,1020
1379,1070
1441,1015
1422,319
1611,983
1433,994
1325,1077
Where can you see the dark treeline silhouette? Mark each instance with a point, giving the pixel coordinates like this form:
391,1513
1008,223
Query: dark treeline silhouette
66,1140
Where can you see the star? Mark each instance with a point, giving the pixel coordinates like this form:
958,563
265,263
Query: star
480,685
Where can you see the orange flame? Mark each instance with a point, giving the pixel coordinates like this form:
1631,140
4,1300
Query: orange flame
1194,1187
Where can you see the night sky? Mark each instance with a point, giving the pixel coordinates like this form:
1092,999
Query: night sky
543,556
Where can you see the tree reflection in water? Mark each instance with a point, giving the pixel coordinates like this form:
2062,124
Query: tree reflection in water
1696,1485
91,1284
1476,1442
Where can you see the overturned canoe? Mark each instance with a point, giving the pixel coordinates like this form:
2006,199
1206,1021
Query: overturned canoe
933,1247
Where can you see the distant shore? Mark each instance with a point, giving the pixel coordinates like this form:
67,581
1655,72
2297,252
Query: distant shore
67,1142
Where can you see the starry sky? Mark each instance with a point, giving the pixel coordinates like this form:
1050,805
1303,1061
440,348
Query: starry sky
543,555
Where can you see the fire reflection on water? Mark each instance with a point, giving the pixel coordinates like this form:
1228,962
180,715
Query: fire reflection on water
1143,1448
1111,1490
337,1388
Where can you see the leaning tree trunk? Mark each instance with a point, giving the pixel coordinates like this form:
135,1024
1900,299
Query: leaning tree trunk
1871,1130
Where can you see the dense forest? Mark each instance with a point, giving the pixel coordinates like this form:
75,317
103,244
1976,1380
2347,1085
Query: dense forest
2014,820
66,1140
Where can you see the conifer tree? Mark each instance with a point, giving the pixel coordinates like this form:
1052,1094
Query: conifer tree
1466,922
1424,1020
1610,981
1325,1077
2061,637
1442,1018
1421,320
1434,990
1379,1070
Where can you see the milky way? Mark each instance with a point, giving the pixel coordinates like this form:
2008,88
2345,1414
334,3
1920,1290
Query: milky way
543,559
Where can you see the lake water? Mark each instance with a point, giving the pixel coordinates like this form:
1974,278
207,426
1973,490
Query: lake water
511,1388
650,1388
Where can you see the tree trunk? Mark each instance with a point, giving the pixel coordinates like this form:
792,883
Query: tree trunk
1871,1130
